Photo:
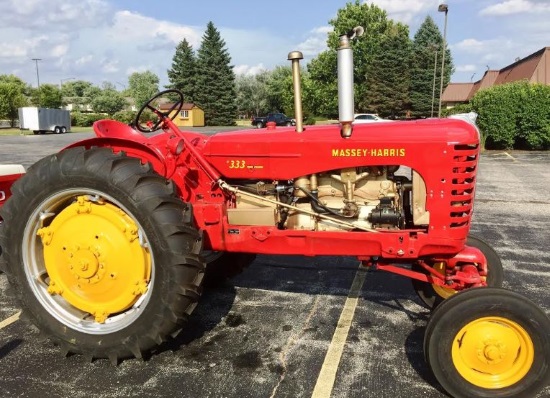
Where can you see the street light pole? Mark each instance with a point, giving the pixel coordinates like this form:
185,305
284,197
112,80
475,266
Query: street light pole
37,74
433,88
443,8
64,80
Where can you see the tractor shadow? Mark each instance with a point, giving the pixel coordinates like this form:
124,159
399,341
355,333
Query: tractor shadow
214,318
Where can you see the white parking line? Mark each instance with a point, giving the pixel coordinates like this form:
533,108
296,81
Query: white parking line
8,321
327,375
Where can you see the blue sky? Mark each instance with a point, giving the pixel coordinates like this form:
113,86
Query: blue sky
107,40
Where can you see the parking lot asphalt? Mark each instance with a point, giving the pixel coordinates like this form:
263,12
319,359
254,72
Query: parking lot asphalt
267,332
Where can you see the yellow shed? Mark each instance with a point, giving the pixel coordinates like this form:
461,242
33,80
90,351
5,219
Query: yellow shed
190,115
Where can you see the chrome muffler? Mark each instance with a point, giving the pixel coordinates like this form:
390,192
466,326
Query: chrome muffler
346,104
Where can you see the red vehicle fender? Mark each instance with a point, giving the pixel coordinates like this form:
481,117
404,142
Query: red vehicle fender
9,173
147,153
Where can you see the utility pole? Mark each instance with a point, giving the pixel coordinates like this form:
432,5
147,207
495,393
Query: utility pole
443,8
37,78
37,74
435,70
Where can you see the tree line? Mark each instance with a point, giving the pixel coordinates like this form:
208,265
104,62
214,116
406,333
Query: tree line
394,76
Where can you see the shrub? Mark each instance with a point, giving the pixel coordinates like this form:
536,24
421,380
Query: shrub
534,117
309,121
126,117
514,115
461,108
85,119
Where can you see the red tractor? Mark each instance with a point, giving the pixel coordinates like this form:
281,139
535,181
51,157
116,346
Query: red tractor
107,242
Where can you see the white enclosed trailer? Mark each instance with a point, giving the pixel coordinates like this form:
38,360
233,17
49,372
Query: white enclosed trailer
40,120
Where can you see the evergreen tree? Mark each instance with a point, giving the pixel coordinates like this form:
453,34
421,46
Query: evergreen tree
427,42
389,82
215,89
183,74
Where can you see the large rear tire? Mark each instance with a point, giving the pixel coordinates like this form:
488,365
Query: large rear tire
489,342
433,295
103,255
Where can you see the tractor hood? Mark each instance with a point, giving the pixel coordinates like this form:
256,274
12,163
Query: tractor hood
282,153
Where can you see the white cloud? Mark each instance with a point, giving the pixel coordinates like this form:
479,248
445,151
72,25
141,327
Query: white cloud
405,11
59,50
11,50
87,59
510,7
58,15
137,69
109,66
312,46
249,70
126,28
471,46
466,68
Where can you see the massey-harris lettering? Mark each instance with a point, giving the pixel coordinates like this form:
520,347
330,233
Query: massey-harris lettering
363,152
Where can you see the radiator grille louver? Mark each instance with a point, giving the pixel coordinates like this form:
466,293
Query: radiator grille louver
464,171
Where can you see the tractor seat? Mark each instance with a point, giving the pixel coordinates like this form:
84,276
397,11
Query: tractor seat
114,129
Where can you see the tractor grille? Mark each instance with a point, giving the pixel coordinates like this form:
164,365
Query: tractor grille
464,171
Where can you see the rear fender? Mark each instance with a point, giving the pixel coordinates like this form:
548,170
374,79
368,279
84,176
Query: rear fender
9,173
147,154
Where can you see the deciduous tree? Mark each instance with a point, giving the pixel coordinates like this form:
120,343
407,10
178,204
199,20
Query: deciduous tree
368,58
47,96
142,86
109,100
11,97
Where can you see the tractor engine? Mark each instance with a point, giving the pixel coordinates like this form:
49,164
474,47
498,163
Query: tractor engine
370,197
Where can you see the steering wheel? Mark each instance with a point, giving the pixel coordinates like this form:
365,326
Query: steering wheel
151,126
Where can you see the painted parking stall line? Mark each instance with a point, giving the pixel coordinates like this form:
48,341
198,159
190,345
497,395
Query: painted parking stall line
327,375
8,321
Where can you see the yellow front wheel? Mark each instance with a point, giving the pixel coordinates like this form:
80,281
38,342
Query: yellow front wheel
489,342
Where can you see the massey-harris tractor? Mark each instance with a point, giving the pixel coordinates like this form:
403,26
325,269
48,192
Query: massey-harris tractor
107,242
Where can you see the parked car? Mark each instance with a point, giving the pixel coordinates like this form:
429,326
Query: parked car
280,119
368,118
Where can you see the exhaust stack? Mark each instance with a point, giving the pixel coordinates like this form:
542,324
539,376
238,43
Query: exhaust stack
295,57
346,105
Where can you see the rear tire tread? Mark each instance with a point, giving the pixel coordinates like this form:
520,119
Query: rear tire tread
156,204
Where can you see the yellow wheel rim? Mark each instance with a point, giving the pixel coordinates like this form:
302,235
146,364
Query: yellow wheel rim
94,258
443,292
493,352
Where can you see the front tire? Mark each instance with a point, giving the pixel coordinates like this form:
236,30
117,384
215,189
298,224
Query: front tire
106,262
259,125
433,295
489,342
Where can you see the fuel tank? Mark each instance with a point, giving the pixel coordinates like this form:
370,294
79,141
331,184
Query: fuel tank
282,153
